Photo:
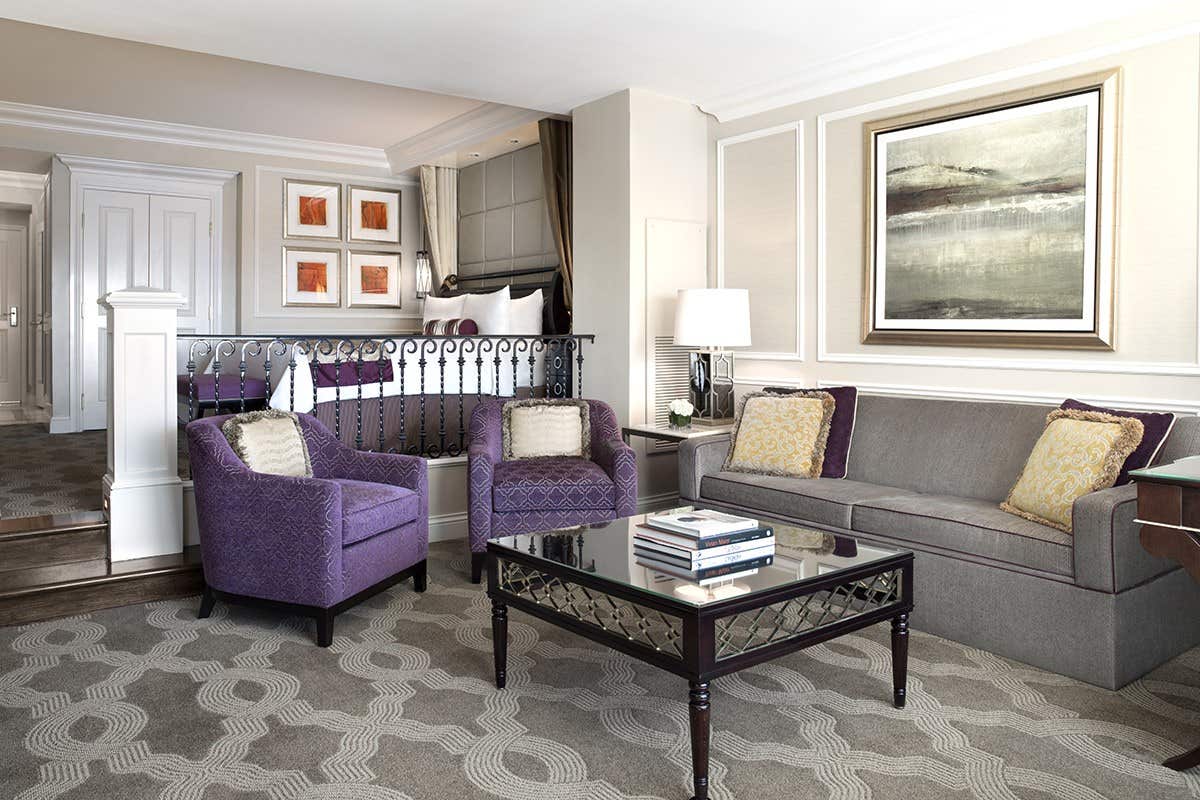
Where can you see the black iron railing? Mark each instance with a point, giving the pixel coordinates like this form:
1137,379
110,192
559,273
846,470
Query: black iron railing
408,393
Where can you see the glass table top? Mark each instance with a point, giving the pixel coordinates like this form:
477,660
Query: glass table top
1185,470
606,550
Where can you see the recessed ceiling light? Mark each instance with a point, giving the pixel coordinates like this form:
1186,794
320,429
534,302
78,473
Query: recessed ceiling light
514,141
473,155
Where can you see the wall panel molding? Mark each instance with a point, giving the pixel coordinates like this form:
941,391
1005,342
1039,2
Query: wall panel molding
1034,364
797,128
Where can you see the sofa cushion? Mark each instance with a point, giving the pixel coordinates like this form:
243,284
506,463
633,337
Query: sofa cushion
824,501
551,484
371,508
967,526
781,435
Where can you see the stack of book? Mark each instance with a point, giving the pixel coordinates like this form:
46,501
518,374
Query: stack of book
705,547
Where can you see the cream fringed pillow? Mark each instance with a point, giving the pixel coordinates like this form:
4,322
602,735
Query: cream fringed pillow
269,441
781,434
539,428
1078,452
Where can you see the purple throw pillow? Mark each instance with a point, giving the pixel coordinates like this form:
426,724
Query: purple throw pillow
841,427
346,373
1156,426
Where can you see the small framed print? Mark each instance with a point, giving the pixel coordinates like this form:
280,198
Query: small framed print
373,215
374,279
312,210
311,277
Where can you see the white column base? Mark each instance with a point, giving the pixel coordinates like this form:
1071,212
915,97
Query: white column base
147,517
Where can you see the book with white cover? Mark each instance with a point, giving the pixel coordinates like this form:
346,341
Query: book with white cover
702,523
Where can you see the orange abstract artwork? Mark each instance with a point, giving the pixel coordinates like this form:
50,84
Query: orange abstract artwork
374,215
312,210
311,276
374,279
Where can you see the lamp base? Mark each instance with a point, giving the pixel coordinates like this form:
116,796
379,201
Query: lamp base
710,384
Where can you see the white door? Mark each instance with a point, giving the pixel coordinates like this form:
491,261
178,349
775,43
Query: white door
38,318
180,254
13,323
116,246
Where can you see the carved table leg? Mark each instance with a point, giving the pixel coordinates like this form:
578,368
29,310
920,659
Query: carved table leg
1184,760
500,641
899,659
698,716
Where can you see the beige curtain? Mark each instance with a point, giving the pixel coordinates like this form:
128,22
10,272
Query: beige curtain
555,136
439,208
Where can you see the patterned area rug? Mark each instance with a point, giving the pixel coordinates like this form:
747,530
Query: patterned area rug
147,701
44,474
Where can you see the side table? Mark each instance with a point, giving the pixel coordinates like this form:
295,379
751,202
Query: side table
676,435
1169,511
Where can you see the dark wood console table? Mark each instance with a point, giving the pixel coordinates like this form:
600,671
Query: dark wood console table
1169,511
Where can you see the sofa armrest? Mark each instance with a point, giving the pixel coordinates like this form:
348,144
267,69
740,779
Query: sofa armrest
620,462
1108,554
697,458
271,536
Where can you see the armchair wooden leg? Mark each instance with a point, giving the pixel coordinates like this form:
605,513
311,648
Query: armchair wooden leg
324,627
207,601
420,577
477,560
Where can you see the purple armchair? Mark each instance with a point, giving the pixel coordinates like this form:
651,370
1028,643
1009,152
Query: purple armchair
538,494
310,546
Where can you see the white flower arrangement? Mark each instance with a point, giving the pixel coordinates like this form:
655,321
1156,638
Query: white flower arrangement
681,407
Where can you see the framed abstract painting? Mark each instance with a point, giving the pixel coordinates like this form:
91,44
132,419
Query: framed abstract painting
991,222
311,277
374,279
373,215
312,210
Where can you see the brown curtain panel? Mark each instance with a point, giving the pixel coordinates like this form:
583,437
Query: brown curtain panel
555,136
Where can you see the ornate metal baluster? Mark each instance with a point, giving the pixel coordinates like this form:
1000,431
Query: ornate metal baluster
202,347
358,380
478,344
460,347
225,347
534,344
515,360
252,348
386,348
421,367
579,368
441,350
499,343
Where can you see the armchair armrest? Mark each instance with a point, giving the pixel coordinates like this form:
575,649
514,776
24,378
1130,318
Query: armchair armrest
409,472
270,536
620,462
1108,553
697,458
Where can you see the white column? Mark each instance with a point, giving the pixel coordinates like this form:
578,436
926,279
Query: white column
142,490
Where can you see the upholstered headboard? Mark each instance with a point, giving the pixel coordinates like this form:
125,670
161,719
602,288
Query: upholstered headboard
556,317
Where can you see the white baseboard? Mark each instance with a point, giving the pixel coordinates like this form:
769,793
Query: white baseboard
447,527
61,425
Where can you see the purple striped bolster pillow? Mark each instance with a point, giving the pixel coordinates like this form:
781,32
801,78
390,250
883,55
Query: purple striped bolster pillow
346,373
450,327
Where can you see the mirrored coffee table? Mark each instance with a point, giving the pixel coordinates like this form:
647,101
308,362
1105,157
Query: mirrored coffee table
586,580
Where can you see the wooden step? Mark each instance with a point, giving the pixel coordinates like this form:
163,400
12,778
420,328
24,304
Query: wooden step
124,583
52,548
57,565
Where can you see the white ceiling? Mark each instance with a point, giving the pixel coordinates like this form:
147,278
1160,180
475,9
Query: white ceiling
731,58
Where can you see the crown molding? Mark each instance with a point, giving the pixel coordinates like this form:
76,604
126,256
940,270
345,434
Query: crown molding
933,47
483,122
22,180
144,130
112,166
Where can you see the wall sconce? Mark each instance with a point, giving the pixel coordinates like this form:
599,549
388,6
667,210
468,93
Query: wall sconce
424,275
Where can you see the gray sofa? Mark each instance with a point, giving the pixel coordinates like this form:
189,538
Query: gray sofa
928,475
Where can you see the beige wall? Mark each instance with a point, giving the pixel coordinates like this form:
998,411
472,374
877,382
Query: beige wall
64,69
1156,359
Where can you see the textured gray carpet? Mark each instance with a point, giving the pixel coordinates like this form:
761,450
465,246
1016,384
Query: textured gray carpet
44,474
148,701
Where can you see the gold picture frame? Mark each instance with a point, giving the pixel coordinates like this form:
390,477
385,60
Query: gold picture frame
926,196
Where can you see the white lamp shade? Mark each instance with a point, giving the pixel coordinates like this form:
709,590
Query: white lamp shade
712,318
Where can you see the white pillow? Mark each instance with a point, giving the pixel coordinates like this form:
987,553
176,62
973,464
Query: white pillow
525,315
442,308
490,311
539,428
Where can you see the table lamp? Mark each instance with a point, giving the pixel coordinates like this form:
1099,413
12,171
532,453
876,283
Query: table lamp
712,320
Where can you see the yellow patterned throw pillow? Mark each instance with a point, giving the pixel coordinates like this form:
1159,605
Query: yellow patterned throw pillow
781,434
1079,452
